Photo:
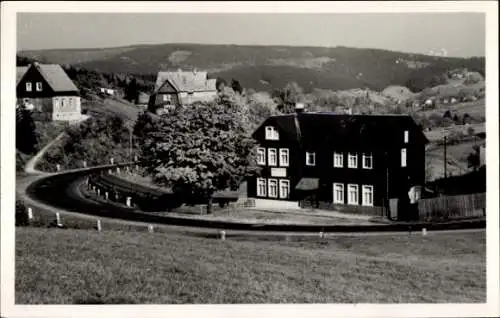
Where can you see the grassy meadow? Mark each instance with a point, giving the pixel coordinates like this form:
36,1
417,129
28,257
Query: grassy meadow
56,266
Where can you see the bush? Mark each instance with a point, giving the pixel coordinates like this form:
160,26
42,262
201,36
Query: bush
21,214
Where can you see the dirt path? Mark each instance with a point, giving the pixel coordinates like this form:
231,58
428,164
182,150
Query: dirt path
29,168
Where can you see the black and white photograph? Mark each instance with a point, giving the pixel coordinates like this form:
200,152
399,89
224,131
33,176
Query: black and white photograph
250,153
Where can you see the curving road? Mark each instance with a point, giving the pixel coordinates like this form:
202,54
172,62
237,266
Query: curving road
47,192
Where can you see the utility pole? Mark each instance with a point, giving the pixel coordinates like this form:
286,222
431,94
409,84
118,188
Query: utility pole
130,152
445,162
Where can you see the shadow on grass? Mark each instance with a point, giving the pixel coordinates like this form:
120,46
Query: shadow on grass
98,299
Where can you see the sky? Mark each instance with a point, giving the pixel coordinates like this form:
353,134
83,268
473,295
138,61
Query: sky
459,34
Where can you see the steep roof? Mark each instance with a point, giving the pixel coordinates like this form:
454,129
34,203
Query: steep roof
57,78
20,71
325,128
186,81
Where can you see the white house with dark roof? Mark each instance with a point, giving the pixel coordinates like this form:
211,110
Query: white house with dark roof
47,90
173,89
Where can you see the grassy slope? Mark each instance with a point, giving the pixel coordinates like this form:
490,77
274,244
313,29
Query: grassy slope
58,266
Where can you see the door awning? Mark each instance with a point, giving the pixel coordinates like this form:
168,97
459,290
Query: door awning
307,184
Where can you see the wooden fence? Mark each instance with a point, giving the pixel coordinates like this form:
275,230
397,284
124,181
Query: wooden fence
453,207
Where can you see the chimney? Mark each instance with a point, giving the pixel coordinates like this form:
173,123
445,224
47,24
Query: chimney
299,108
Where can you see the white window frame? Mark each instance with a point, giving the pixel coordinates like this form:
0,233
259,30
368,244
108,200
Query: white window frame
368,155
340,156
335,200
349,188
284,183
272,133
259,182
282,152
269,161
38,86
406,136
261,151
269,192
308,163
364,197
403,158
29,87
349,157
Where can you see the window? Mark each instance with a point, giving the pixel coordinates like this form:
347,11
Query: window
38,86
284,189
272,188
261,156
338,193
367,161
310,158
352,194
272,133
368,195
407,136
28,87
338,160
62,102
166,98
272,157
353,160
261,187
403,157
284,157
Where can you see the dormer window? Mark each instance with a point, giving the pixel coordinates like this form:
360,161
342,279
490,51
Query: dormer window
28,87
38,86
310,158
272,133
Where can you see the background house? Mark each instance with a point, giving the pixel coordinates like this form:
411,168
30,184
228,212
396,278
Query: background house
142,100
173,89
48,91
353,163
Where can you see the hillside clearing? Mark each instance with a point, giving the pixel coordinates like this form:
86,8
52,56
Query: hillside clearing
79,266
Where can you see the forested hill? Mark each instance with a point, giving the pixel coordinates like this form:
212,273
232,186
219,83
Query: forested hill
271,67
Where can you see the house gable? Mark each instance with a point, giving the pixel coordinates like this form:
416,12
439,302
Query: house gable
167,88
33,76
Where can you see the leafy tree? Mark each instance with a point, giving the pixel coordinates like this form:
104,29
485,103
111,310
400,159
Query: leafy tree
466,119
473,159
287,97
236,86
131,90
447,114
199,149
26,139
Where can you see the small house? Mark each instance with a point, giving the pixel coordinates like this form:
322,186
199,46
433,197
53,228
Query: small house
175,89
47,90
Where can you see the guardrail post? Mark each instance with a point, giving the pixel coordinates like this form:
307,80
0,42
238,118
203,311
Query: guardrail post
424,231
116,197
129,201
150,228
321,235
58,220
127,169
98,192
222,235
137,167
112,160
110,171
135,158
106,195
84,163
58,167
30,214
98,227
117,169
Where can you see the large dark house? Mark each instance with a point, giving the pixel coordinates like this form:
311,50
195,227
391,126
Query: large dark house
354,163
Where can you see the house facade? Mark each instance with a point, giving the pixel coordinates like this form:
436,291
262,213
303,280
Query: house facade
48,92
175,89
352,163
